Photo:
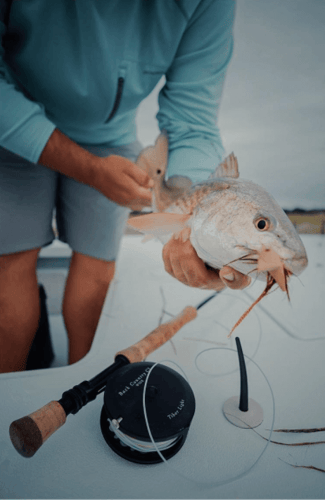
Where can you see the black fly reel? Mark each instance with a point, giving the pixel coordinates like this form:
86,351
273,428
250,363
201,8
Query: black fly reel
170,406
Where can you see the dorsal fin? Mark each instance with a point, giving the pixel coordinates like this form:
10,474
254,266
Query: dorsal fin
228,168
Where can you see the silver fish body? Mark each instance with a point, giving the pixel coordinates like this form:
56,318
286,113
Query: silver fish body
232,221
223,226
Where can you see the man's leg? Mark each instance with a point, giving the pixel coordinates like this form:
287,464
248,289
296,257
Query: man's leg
84,297
93,226
19,308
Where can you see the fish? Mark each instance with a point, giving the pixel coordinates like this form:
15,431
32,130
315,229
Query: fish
229,221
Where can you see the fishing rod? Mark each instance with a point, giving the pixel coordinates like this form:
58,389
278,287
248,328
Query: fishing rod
29,433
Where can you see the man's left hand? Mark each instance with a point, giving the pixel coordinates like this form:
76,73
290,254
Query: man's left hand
182,262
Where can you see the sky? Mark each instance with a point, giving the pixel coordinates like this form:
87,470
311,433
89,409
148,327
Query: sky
272,114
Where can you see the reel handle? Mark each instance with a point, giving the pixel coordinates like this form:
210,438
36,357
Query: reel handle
139,351
29,433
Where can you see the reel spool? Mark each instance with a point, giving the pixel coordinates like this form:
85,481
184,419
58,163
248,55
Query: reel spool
170,406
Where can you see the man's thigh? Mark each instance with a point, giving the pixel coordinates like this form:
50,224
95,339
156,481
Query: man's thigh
27,199
89,222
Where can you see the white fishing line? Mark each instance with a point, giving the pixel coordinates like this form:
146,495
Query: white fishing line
137,444
222,374
283,327
206,484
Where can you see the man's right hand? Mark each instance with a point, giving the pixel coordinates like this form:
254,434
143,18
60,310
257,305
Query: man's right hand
116,177
124,182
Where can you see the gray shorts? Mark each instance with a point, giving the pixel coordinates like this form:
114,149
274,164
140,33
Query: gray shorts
86,220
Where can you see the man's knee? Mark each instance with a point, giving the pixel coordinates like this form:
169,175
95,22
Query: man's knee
99,272
19,261
19,299
17,273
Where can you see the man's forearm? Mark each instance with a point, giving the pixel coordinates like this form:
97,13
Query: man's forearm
65,156
116,177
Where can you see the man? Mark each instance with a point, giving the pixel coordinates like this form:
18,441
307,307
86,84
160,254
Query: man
72,73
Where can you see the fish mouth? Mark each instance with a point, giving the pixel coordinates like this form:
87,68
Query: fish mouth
264,262
277,272
268,262
296,265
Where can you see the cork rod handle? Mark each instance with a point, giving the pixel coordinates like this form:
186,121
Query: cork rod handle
29,433
139,351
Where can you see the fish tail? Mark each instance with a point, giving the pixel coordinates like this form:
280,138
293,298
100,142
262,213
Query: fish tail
153,159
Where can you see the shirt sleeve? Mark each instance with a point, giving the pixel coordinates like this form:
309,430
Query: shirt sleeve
24,127
190,98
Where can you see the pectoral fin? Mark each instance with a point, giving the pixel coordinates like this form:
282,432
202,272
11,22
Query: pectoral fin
159,223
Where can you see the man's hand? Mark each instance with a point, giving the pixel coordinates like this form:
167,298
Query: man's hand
182,262
122,181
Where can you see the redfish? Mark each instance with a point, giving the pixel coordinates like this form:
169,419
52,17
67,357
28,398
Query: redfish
229,221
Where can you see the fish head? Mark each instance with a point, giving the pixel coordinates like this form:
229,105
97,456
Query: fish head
244,227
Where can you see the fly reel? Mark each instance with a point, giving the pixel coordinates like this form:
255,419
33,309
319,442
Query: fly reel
169,403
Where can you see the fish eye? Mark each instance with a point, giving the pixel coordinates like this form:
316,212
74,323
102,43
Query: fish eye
262,224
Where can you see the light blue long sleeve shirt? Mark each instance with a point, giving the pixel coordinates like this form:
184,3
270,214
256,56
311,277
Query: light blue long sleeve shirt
84,66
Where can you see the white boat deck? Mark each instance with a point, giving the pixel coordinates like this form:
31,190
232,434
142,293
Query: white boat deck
76,461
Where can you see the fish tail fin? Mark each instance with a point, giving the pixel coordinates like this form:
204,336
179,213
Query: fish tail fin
153,159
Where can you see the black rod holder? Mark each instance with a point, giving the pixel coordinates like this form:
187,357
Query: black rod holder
243,401
235,409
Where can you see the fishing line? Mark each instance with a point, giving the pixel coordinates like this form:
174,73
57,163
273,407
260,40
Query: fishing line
206,484
257,346
137,444
284,328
